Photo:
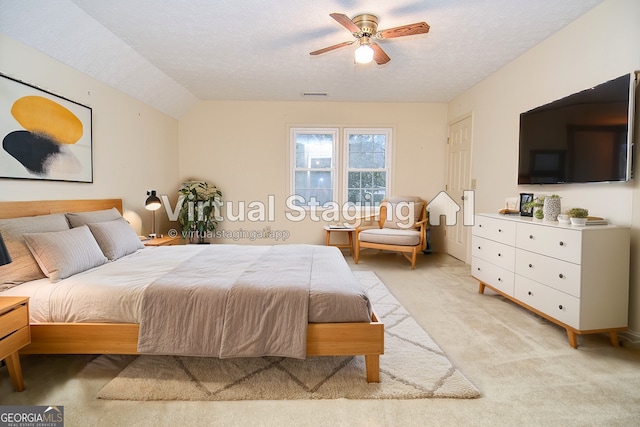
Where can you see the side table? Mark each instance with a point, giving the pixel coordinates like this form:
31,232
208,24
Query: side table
331,229
14,334
162,241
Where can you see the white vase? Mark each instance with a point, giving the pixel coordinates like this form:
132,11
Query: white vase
551,208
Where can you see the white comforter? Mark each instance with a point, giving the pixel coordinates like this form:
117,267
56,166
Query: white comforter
115,291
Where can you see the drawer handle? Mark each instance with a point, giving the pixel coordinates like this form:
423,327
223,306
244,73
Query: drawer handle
499,254
499,230
561,243
480,225
561,276
479,247
531,236
499,279
529,293
478,269
530,265
560,306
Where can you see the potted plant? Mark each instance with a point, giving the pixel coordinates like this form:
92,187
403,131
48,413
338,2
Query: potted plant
536,204
198,213
578,216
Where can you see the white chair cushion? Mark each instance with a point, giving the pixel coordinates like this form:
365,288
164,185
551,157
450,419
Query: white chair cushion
390,236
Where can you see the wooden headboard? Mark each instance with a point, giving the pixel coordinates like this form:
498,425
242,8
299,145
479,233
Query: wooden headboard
44,207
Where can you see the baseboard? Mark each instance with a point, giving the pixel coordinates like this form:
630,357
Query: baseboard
629,338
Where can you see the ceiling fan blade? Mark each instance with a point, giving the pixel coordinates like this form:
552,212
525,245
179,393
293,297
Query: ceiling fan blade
379,55
345,21
330,48
405,30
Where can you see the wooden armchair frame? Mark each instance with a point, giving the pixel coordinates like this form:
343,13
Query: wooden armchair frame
409,252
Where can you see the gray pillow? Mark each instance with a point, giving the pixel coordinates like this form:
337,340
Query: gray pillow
116,238
24,266
61,254
76,219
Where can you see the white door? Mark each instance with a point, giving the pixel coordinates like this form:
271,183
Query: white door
458,186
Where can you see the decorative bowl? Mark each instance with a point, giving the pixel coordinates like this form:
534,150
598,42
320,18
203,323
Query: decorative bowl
578,221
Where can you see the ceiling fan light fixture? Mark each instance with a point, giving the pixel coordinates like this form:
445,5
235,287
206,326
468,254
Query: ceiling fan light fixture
364,52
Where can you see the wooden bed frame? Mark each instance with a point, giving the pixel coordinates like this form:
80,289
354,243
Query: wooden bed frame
323,339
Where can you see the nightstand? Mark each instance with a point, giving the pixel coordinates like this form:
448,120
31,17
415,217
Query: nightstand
14,334
348,230
162,241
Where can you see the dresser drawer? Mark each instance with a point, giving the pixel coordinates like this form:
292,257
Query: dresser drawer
499,230
493,275
561,275
496,253
565,244
13,320
562,307
14,341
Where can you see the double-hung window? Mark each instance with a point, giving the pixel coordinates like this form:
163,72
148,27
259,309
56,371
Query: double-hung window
314,166
368,164
327,170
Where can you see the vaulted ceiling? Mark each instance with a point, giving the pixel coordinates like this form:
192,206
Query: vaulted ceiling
172,53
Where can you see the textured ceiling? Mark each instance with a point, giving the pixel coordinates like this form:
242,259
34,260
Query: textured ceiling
172,53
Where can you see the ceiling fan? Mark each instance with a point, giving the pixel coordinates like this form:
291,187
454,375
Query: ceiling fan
364,28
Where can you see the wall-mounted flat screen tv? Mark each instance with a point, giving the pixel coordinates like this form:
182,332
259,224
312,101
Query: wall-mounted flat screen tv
584,137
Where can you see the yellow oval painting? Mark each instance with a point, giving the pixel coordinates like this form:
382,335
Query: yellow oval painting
41,115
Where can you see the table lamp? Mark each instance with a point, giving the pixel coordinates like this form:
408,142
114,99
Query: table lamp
153,204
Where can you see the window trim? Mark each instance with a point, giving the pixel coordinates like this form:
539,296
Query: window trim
335,167
388,132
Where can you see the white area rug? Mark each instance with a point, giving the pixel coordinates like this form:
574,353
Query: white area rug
413,367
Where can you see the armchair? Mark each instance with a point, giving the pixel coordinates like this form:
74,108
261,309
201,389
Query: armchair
394,231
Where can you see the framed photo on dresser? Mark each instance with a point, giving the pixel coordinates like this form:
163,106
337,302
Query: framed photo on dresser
524,199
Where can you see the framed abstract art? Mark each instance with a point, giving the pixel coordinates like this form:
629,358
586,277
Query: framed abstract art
44,136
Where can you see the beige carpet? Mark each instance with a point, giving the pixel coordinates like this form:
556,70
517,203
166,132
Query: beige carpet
413,367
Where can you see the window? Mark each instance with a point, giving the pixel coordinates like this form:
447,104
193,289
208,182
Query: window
365,173
367,165
314,179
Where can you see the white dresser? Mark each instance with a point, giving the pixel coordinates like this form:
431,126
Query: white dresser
576,277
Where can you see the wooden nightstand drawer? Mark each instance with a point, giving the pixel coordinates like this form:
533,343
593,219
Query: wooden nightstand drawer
13,320
10,343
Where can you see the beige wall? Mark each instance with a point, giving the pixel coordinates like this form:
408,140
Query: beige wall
135,147
242,147
601,45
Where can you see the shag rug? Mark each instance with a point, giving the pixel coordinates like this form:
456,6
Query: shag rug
412,367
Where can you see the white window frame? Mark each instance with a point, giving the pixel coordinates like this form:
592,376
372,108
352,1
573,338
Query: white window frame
335,132
388,132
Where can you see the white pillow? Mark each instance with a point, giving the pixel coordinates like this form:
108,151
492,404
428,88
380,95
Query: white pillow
61,254
116,238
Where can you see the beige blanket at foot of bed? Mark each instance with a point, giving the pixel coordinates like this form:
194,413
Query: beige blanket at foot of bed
263,312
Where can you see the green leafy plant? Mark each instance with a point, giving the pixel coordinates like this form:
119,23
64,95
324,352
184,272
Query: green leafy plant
536,204
578,212
200,202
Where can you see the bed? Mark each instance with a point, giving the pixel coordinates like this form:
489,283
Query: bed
91,333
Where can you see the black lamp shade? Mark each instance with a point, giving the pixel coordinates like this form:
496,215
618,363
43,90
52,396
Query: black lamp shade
153,202
5,258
